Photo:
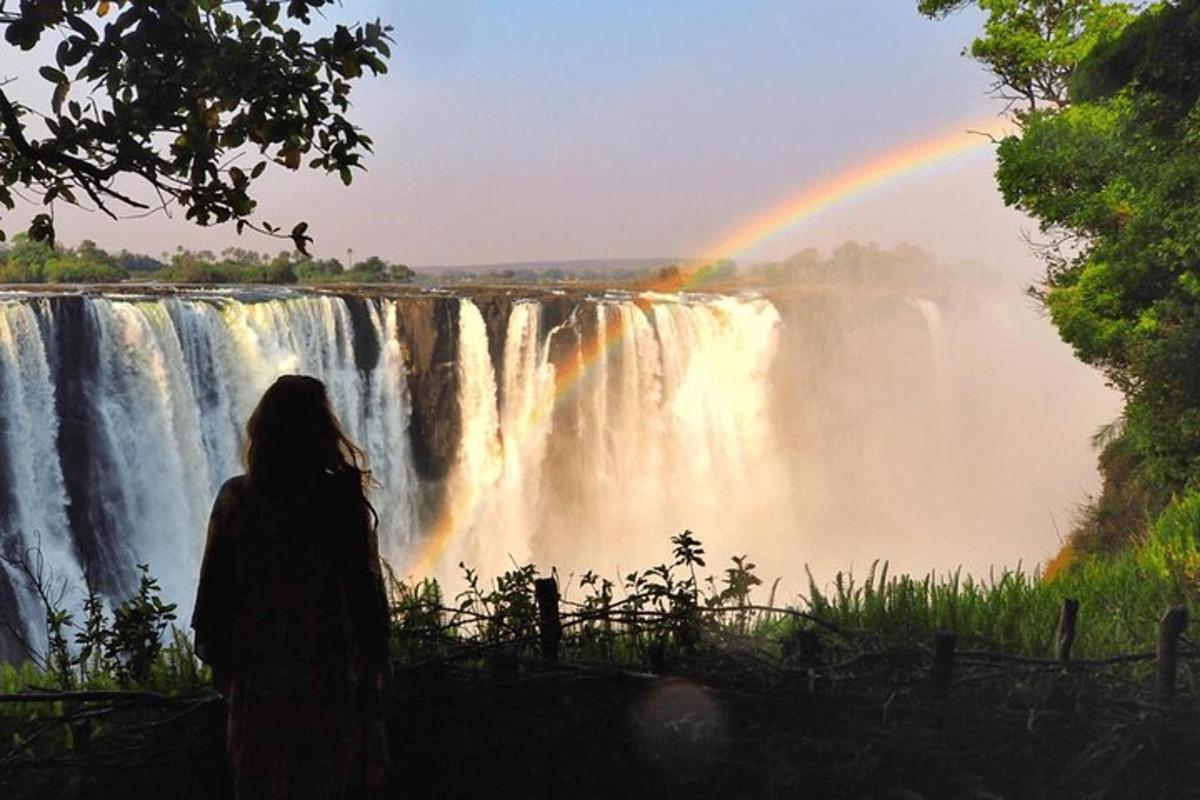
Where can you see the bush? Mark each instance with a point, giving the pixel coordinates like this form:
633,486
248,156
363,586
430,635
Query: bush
20,273
70,269
38,262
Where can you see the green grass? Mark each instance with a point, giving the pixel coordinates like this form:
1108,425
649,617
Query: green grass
670,613
1122,596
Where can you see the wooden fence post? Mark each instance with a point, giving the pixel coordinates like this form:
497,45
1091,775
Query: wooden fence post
545,591
942,669
1066,628
1170,628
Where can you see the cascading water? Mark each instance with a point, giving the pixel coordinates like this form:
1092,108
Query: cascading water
628,420
827,426
33,496
121,416
550,428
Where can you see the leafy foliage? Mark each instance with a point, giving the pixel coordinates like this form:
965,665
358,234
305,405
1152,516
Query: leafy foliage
124,650
30,261
236,265
668,621
134,642
1118,171
1111,174
168,96
1033,46
665,618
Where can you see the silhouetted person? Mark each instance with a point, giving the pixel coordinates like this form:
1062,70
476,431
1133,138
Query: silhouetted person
291,612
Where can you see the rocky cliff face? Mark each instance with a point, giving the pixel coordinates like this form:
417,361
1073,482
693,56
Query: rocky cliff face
428,331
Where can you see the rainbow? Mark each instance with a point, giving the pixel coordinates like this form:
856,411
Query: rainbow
852,182
717,261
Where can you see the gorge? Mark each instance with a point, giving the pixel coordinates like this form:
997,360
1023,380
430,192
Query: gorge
572,428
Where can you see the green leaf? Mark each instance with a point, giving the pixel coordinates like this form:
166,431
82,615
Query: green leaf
285,89
53,75
82,28
60,94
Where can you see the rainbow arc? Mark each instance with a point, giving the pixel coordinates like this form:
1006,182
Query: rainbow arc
838,188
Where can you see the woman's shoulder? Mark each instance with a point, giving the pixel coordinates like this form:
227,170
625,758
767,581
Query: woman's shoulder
234,485
232,491
320,489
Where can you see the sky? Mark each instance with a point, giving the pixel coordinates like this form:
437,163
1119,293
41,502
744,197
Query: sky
541,131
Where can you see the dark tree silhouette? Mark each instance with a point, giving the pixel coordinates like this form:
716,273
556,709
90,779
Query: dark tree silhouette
154,103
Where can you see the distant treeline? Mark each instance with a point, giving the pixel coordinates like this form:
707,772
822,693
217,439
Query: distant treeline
606,271
27,261
853,264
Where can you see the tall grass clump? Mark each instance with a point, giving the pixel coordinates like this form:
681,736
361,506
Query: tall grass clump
670,610
1122,596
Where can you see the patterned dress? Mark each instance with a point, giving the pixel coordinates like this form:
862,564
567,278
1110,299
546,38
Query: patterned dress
292,616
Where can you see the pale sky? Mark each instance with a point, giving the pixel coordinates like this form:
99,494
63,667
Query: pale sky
523,131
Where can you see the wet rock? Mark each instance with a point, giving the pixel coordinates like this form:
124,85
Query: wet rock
428,331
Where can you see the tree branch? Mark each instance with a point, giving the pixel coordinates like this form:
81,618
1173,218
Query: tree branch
90,178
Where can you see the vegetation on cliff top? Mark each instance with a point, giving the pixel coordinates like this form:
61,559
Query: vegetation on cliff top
30,261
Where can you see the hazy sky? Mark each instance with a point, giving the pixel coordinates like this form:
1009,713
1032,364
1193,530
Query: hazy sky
551,130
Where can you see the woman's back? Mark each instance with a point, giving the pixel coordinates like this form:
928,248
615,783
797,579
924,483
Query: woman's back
301,591
291,612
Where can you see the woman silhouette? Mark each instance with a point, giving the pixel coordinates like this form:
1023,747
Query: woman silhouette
291,612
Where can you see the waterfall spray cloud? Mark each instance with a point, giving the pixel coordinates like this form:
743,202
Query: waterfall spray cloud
858,179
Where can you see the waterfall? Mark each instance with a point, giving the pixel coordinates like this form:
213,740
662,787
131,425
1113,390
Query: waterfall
659,422
528,396
154,425
572,428
33,500
480,460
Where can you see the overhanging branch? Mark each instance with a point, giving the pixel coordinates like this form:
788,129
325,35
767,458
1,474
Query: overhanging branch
89,177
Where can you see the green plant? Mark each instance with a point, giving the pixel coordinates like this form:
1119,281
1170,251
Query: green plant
127,651
508,611
673,618
135,640
740,581
93,640
596,634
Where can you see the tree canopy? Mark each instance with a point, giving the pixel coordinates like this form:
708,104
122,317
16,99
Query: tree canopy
155,103
1033,46
1111,170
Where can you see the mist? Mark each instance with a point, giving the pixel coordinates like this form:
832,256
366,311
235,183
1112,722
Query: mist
828,412
929,415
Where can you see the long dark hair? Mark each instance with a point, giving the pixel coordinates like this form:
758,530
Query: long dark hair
293,438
